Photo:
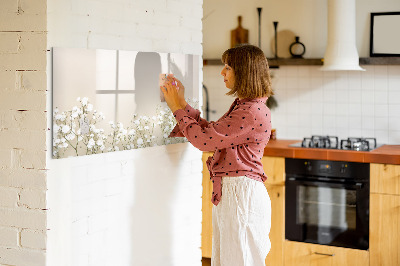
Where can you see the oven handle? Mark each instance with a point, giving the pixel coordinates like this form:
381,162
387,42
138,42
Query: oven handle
325,254
357,185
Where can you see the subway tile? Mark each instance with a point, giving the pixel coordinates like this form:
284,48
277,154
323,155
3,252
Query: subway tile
342,83
317,107
291,71
394,110
329,94
329,131
394,137
329,109
303,82
292,95
316,83
368,122
367,96
293,120
355,109
354,82
394,123
342,109
381,110
304,72
342,122
280,72
292,82
394,83
381,123
304,108
355,132
303,131
355,122
354,75
380,84
317,131
394,71
367,110
278,83
394,97
355,96
382,136
367,83
329,121
369,70
367,133
380,71
342,133
381,97
317,120
317,95
305,95
316,72
342,96
328,74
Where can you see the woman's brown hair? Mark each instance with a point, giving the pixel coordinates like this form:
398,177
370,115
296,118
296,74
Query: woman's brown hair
250,66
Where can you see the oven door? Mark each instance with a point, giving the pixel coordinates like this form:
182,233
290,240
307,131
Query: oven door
327,213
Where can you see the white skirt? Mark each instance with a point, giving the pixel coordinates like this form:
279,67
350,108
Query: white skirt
241,223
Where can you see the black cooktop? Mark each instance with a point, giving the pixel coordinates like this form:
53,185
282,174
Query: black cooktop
332,142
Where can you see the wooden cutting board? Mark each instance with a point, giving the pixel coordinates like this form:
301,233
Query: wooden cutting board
239,35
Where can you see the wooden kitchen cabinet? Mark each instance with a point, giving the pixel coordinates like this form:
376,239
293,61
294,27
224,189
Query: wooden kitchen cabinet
305,254
384,236
206,225
385,178
274,168
277,233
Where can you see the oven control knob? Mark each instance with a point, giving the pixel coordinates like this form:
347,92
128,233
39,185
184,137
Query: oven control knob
343,168
308,166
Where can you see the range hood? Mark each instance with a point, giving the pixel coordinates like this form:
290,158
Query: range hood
341,51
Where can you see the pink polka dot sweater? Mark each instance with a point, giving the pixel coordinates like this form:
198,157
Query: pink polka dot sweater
238,139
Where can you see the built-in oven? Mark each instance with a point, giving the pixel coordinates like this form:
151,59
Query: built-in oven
327,202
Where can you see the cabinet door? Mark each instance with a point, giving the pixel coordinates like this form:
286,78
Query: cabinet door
385,178
206,232
277,233
384,229
305,254
274,168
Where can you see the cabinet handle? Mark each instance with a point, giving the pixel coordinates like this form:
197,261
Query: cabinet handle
325,254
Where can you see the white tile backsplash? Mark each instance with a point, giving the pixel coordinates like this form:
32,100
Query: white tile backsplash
346,103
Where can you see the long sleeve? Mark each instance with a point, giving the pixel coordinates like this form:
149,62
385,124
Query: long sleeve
231,130
193,113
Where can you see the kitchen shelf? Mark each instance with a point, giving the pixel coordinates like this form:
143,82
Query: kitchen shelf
380,61
274,63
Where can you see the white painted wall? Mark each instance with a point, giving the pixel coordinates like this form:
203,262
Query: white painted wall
343,103
23,133
305,18
137,207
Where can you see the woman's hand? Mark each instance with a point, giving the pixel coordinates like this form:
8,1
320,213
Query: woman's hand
181,92
171,94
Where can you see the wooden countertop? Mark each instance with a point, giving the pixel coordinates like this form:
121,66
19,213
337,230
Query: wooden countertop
389,154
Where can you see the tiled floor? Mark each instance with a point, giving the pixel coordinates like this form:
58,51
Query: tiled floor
206,261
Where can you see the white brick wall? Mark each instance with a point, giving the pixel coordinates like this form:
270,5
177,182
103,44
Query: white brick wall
23,132
137,207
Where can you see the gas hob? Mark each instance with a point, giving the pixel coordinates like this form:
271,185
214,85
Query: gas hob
332,142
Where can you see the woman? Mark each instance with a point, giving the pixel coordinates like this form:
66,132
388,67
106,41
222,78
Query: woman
242,208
